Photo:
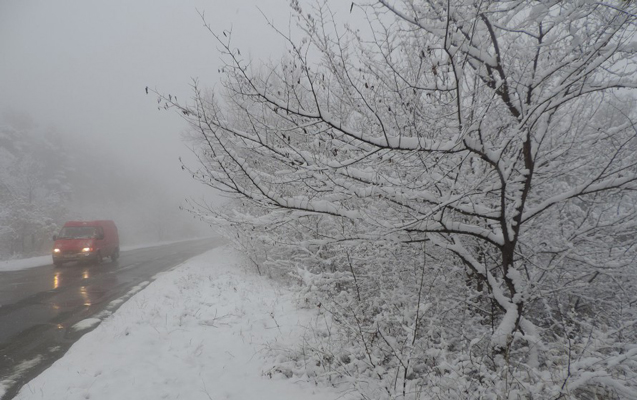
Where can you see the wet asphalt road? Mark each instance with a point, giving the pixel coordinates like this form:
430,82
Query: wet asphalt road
38,306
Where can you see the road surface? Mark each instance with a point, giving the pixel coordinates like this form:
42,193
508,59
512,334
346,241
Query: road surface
38,306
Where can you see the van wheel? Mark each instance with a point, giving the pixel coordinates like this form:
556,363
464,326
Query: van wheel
57,263
98,258
115,255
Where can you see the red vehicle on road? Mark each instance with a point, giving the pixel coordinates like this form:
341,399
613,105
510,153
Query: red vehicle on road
86,241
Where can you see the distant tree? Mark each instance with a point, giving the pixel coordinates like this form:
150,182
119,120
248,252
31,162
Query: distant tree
481,156
34,188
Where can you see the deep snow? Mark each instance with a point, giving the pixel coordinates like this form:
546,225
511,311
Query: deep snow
199,331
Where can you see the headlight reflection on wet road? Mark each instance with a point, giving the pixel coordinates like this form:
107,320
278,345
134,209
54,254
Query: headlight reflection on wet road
84,293
63,278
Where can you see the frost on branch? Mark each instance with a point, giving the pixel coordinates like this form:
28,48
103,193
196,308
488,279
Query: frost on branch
454,186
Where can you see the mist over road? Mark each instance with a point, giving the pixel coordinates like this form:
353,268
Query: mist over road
40,306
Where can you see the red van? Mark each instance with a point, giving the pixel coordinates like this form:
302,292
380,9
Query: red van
86,240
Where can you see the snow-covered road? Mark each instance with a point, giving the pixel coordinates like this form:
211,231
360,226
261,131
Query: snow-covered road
200,331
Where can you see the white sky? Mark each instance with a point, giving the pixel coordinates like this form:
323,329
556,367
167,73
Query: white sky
82,66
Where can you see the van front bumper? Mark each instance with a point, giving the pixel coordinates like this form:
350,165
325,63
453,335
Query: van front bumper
75,256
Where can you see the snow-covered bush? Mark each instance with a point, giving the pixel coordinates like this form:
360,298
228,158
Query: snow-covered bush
454,187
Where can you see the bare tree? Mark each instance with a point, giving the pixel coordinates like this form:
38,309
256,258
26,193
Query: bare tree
502,133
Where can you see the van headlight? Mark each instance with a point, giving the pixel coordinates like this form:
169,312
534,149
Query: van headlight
86,250
56,250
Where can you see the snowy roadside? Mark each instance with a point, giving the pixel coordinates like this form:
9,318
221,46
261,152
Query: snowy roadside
24,263
32,262
199,331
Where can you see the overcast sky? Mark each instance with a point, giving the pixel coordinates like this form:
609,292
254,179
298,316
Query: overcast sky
82,66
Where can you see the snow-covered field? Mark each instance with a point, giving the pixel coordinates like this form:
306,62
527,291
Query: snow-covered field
200,331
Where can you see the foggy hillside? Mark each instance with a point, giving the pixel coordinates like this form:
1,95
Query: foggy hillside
48,177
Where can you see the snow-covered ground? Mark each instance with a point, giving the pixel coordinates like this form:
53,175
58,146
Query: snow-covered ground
199,331
32,262
24,263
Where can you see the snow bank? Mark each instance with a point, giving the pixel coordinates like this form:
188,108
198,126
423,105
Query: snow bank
86,324
24,263
200,331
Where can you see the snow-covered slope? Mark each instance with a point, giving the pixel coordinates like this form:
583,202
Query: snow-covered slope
200,331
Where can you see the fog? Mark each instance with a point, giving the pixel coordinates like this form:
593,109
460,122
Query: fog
72,99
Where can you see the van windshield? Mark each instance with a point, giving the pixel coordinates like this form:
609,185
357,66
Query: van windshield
78,232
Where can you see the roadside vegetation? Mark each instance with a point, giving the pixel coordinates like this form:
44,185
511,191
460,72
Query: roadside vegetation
451,184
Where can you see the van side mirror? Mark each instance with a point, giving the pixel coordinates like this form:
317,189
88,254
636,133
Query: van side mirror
55,237
100,236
